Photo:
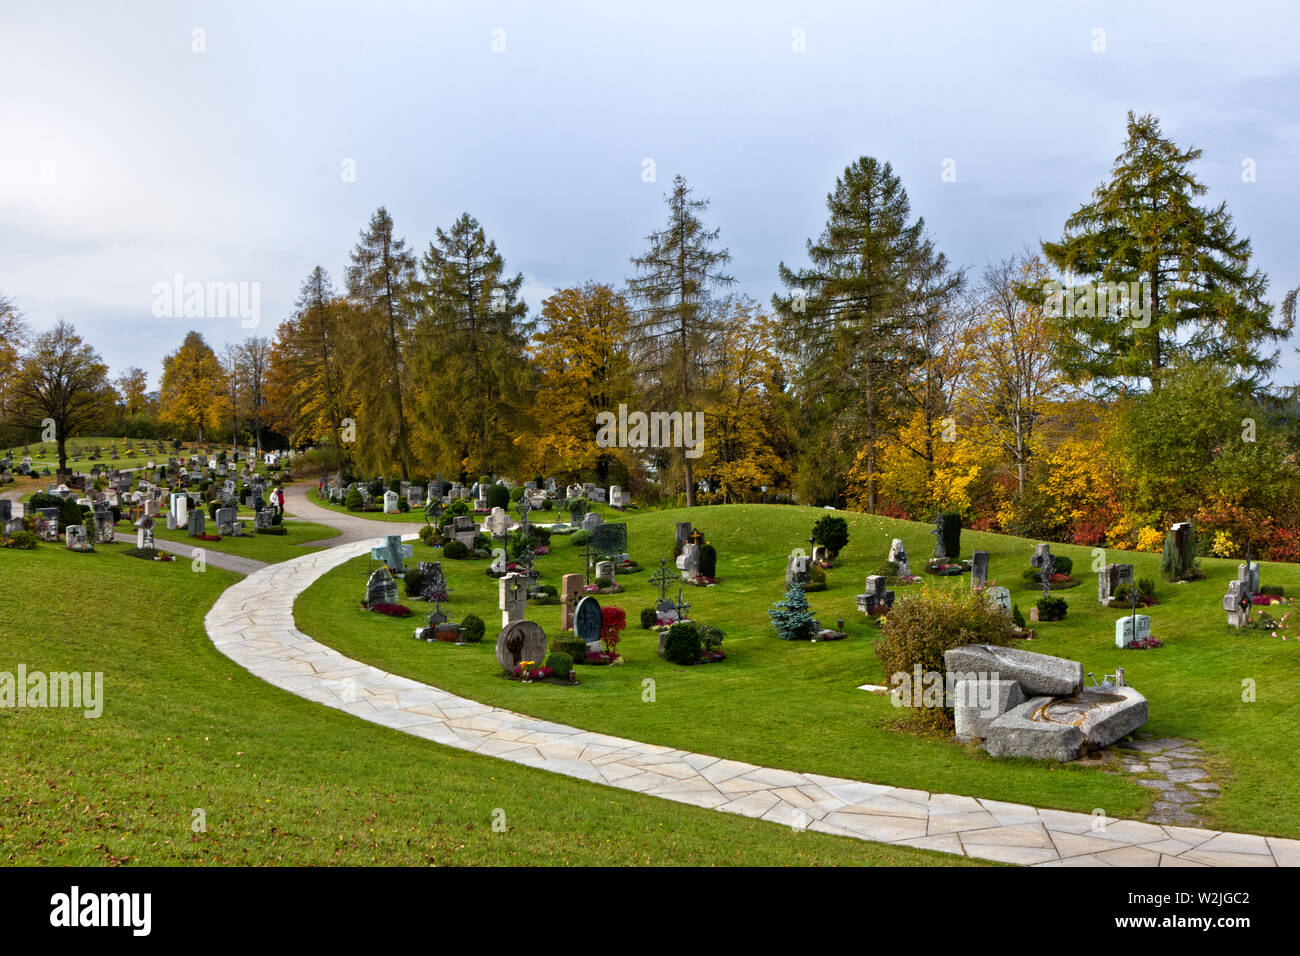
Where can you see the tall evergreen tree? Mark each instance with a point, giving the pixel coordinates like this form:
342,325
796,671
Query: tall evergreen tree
851,316
1145,226
380,284
675,279
472,336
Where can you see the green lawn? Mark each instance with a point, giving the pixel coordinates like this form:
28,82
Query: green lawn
282,780
260,547
796,706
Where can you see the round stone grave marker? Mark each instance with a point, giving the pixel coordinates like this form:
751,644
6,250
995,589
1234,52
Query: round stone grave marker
586,620
521,641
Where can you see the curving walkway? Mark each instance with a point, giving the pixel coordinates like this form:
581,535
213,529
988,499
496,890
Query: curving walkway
252,624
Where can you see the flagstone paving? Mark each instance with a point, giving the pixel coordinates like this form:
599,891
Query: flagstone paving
252,623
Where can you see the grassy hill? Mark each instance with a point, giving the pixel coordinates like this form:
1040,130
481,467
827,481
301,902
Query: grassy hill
797,706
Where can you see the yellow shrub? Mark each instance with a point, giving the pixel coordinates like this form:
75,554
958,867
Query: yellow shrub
1150,539
1223,546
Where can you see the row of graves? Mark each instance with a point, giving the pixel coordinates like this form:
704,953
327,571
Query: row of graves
441,493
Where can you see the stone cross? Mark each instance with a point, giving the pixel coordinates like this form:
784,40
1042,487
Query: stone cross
513,598
1045,564
498,523
570,595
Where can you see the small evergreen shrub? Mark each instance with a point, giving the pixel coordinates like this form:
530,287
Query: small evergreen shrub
649,617
471,629
429,536
516,494
711,637
561,664
791,616
682,646
1064,565
580,538
498,496
353,502
413,584
1017,618
708,561
816,579
1272,590
455,550
603,582
1052,608
832,531
566,642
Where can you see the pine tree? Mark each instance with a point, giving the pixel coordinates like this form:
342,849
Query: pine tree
792,616
1145,226
471,341
850,318
380,285
674,282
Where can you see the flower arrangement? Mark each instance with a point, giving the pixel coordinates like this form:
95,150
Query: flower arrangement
528,671
1144,644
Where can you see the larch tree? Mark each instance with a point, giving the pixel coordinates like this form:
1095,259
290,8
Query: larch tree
193,386
849,321
471,346
674,282
1145,232
380,283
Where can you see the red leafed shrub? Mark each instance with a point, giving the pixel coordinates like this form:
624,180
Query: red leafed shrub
393,610
984,524
1089,531
1284,545
612,622
1060,578
891,509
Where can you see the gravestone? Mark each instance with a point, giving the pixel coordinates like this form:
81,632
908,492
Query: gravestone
6,509
196,523
381,588
979,570
1000,598
262,520
464,530
1248,575
937,531
144,533
498,522
512,598
1109,580
796,569
875,597
1237,603
105,532
605,569
688,562
610,538
587,623
391,503
433,581
1132,627
75,538
395,552
591,521
570,594
225,518
520,641
415,497
1045,563
683,532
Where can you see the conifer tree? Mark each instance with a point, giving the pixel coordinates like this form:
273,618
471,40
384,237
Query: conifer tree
850,315
673,285
1145,226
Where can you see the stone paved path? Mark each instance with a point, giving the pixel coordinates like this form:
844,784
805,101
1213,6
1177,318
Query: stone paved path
252,623
353,527
218,559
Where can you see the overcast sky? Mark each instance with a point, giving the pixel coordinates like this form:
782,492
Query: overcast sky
130,157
